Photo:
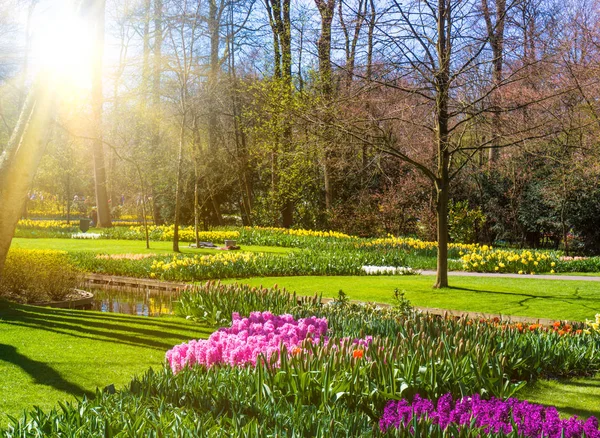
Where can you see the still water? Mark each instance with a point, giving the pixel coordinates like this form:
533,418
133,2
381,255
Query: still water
144,302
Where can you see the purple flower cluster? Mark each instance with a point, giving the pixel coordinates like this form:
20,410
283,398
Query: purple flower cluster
246,339
492,416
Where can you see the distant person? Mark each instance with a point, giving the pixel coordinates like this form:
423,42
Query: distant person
122,199
94,217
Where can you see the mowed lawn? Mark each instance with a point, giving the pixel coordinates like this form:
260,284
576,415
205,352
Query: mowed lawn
108,246
48,355
554,299
579,397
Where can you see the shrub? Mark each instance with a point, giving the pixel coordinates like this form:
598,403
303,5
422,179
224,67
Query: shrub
31,276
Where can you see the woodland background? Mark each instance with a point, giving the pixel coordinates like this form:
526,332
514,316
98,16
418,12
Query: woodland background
364,116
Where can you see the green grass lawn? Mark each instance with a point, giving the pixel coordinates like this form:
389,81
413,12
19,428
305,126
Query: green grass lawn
47,355
573,300
554,299
126,246
579,397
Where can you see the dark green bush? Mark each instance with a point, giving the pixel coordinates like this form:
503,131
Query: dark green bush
31,276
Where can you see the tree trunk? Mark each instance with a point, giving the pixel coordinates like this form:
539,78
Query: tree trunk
287,214
326,9
279,19
196,207
214,28
179,187
155,123
442,237
68,198
240,138
144,209
444,51
20,160
496,37
97,101
350,45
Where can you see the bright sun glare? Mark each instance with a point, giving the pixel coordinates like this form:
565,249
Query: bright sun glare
62,45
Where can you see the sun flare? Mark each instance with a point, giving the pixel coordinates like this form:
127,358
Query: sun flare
63,46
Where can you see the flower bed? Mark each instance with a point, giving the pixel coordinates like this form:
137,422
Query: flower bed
247,339
371,355
509,417
487,259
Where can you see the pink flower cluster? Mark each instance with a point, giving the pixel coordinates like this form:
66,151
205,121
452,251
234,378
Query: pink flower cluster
246,339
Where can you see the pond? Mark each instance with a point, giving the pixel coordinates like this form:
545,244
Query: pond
133,301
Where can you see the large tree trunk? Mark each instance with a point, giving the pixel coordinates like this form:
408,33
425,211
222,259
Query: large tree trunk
20,160
155,123
279,19
287,213
442,236
214,27
326,9
97,101
442,183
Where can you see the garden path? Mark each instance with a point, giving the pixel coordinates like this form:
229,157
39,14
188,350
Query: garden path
536,276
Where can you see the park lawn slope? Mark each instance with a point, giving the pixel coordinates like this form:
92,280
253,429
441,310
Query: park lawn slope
530,297
49,355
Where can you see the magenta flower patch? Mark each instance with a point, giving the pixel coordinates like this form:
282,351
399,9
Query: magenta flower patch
241,344
491,416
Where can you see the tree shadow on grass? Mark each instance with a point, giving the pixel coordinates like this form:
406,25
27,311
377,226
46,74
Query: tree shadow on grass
587,383
144,335
575,298
565,407
68,331
40,372
156,321
8,309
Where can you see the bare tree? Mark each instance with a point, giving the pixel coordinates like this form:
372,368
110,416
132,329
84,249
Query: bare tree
436,49
95,13
183,31
326,10
495,23
278,12
351,34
